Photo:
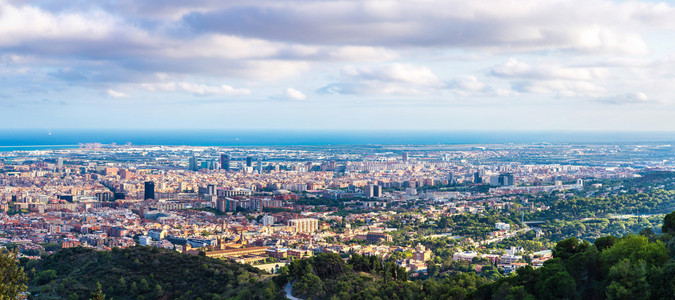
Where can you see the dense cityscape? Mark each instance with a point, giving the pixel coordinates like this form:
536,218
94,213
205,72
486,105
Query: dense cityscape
431,210
337,150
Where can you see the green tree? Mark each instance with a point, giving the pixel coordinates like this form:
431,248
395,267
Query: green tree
635,247
662,281
566,248
122,284
649,234
605,242
627,281
98,293
270,291
158,292
669,223
45,276
560,286
144,287
310,286
12,278
134,288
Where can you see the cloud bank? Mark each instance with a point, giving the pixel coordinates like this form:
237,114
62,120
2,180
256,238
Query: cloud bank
449,52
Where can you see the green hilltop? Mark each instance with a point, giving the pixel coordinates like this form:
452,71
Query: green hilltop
631,267
144,273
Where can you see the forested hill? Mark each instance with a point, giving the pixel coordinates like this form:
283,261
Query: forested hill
632,267
652,202
144,273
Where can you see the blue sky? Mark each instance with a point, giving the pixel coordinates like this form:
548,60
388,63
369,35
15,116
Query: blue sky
441,65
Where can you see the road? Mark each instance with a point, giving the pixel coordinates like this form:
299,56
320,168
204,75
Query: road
289,292
485,242
497,239
434,236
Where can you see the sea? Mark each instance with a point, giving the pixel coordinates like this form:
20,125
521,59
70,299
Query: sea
32,139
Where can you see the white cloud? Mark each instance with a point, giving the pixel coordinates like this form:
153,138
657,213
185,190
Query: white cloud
294,94
18,24
468,83
516,69
35,30
603,40
354,29
521,25
194,88
403,73
472,86
563,88
608,81
278,40
628,98
221,46
555,79
116,94
266,70
600,51
362,53
393,79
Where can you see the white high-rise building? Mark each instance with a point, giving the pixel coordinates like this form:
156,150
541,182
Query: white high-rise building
268,220
306,225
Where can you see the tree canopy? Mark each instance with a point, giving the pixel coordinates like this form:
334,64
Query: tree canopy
12,278
144,272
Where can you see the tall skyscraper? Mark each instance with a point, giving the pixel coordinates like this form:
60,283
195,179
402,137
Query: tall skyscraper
193,164
505,179
249,161
149,190
372,191
259,165
225,162
404,157
477,178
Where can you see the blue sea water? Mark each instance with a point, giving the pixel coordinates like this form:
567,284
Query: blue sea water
16,139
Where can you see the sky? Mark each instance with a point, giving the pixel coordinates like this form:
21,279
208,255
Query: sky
575,65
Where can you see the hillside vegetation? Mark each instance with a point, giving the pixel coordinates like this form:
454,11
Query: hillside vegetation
631,267
144,273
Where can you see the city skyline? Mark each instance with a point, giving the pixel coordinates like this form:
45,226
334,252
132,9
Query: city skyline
378,65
